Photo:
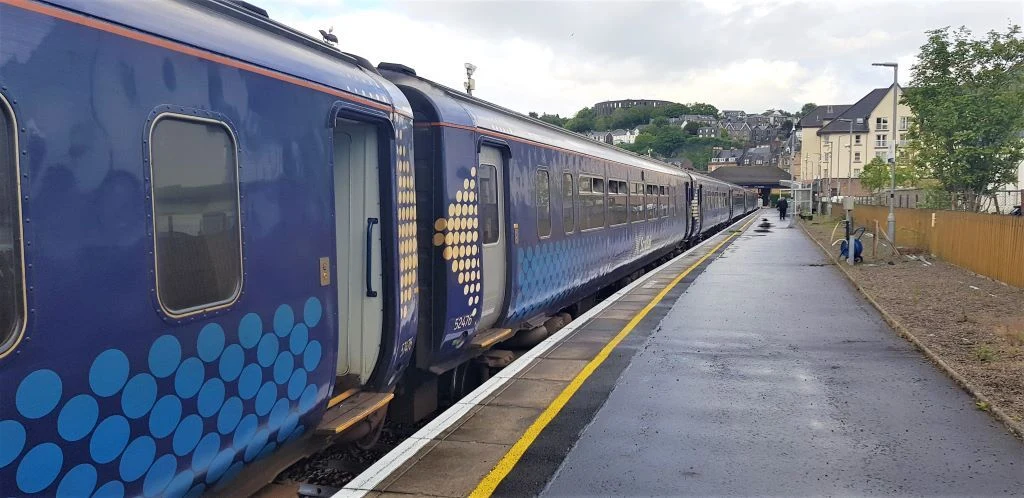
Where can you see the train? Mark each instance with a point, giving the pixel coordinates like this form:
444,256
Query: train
224,243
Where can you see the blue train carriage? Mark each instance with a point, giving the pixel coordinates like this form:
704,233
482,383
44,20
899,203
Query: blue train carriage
521,224
207,239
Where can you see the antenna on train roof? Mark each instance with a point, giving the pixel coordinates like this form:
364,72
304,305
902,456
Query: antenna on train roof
329,37
470,83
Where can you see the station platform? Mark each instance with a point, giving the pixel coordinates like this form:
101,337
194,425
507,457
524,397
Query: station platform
746,366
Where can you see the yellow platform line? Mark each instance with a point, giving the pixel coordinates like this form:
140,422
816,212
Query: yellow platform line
508,462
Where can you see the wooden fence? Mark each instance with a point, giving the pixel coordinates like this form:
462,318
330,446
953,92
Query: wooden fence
987,244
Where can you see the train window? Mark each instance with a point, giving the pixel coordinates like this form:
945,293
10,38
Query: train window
543,204
12,283
195,213
663,201
672,201
637,202
568,203
591,202
618,197
488,186
652,202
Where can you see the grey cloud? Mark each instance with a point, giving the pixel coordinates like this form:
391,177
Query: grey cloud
673,37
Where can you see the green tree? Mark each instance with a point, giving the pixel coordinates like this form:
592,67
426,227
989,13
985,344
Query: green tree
692,128
967,94
785,128
877,174
807,109
672,110
533,114
554,119
703,109
583,121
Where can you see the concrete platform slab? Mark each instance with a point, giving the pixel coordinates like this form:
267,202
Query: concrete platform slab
576,350
528,393
496,424
451,469
554,369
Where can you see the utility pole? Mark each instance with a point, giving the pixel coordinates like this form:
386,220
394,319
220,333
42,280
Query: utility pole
470,83
849,161
891,228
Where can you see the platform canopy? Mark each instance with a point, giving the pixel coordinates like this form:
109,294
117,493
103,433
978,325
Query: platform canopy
753,176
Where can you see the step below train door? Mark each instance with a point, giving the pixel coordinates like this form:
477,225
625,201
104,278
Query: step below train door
357,209
492,234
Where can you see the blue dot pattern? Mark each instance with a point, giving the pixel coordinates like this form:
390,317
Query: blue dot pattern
181,417
550,271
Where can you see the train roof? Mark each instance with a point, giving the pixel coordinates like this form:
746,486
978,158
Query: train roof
240,31
455,107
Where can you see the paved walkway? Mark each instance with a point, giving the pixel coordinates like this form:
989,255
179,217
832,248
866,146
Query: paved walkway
772,376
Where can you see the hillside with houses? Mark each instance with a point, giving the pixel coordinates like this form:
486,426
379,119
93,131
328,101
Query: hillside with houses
692,136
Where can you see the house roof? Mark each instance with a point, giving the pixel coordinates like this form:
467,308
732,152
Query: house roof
728,153
861,109
815,118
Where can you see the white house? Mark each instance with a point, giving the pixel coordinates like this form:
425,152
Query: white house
621,136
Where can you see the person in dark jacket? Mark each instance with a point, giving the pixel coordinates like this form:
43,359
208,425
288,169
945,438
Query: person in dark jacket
783,206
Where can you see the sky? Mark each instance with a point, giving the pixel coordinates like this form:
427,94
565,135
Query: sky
561,56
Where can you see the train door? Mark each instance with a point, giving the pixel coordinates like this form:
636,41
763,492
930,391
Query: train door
702,211
357,230
728,202
687,209
492,221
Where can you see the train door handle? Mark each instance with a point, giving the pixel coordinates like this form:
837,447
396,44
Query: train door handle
370,222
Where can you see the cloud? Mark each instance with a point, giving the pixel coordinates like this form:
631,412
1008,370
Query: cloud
560,56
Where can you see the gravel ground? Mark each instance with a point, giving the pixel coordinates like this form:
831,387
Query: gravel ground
337,465
975,324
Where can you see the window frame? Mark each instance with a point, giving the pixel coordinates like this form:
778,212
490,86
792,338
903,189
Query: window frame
10,344
590,192
643,206
497,201
536,184
881,124
663,200
623,195
221,121
572,202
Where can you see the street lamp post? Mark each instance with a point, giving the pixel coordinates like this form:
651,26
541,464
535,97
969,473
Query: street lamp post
829,156
892,188
849,161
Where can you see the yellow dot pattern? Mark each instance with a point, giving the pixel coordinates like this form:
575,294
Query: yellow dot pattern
407,250
458,237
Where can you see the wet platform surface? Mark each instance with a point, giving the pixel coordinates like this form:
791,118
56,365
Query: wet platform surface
761,371
772,376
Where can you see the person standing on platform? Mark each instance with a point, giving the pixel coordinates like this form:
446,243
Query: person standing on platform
782,205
